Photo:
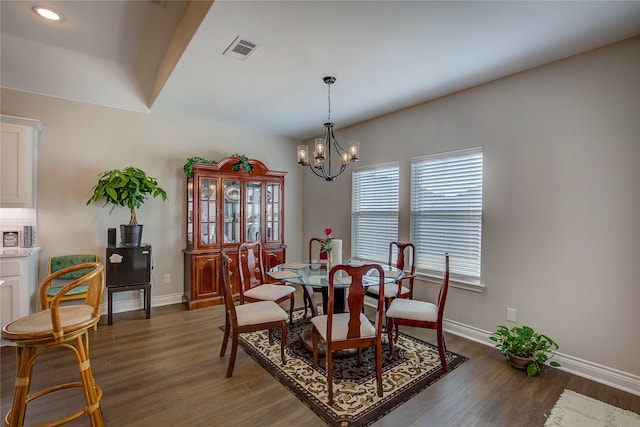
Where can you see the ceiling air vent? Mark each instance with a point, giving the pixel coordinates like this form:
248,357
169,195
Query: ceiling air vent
240,48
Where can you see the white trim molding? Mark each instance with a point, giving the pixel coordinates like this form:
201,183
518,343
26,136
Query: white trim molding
583,368
137,303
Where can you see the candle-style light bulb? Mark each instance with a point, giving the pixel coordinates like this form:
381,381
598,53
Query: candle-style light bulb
354,150
303,155
320,149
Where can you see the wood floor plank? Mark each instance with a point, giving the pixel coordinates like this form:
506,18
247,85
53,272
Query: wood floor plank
166,371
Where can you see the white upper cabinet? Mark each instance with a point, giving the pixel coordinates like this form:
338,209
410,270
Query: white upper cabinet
18,154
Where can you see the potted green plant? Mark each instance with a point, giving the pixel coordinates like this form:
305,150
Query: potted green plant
525,348
128,187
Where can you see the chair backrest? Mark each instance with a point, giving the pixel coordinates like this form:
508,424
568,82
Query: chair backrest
251,266
58,263
94,280
444,288
355,299
403,256
227,293
319,243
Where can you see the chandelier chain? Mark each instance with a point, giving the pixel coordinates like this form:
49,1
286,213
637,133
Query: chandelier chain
329,102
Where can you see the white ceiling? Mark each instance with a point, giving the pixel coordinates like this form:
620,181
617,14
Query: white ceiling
386,55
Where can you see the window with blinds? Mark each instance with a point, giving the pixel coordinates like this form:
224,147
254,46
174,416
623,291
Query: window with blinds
374,211
446,212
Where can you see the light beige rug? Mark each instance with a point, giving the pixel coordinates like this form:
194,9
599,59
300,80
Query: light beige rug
573,409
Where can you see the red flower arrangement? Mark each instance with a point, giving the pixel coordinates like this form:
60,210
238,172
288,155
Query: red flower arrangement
328,244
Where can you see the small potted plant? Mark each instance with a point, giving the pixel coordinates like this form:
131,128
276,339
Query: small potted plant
525,348
128,187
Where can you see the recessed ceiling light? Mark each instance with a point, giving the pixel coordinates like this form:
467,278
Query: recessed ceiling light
47,13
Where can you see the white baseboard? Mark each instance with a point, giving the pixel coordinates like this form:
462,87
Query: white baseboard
593,371
138,303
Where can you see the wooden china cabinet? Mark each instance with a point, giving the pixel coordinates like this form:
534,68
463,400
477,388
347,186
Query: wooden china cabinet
227,206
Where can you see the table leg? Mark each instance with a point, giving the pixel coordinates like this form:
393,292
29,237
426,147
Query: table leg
309,292
109,307
338,299
147,297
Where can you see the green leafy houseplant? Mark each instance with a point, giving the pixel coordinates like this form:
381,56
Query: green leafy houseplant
524,342
128,187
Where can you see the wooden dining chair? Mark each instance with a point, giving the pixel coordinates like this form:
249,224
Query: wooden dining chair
247,318
316,253
58,327
402,256
352,329
420,314
253,279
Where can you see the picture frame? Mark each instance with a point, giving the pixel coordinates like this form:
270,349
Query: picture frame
11,239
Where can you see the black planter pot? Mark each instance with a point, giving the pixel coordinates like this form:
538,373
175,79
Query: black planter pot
131,235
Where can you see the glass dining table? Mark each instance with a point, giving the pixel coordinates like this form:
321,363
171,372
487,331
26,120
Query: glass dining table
314,274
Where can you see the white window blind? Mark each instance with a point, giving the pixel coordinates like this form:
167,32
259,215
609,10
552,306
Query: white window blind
446,212
374,211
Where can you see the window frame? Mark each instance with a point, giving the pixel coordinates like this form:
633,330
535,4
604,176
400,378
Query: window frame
466,253
379,251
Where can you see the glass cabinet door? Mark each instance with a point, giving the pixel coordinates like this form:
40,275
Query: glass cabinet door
253,211
273,200
231,211
207,202
190,213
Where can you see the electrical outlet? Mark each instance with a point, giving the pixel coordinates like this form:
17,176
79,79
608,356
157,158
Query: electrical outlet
167,278
511,314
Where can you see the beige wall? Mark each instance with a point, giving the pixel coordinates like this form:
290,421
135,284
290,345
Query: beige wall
561,220
80,140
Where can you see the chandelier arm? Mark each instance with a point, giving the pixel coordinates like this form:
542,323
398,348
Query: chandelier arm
324,176
339,148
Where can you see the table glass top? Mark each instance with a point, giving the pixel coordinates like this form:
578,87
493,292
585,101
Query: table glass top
314,273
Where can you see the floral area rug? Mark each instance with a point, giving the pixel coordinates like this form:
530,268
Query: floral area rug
356,403
574,409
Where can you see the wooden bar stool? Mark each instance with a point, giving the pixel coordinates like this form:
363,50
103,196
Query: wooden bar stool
58,326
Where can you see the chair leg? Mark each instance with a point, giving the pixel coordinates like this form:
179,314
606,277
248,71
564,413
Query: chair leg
379,365
234,351
441,349
292,303
92,392
226,336
329,357
390,325
283,341
24,369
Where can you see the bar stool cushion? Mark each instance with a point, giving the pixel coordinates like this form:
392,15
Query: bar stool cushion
72,317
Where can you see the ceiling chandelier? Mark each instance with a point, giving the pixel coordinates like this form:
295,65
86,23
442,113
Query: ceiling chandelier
324,146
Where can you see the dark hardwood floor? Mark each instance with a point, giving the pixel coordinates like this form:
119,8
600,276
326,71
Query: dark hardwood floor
166,371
